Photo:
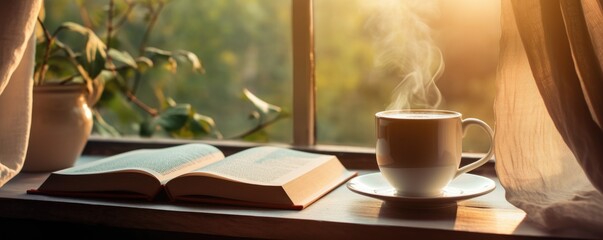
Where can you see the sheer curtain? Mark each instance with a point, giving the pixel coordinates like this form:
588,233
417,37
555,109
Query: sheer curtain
17,22
549,110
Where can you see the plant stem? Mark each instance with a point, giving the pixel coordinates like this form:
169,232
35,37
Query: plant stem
151,111
129,94
85,16
258,127
109,23
147,32
125,15
109,29
44,66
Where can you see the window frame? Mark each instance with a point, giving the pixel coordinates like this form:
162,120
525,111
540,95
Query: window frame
304,87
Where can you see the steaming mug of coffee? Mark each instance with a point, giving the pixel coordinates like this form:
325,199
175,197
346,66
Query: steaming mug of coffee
419,150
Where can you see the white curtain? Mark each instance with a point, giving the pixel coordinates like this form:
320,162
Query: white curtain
17,22
549,110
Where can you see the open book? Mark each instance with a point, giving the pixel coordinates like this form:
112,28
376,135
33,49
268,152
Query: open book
263,176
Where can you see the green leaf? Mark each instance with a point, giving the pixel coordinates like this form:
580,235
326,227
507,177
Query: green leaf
144,63
172,65
156,52
263,107
95,55
193,59
74,27
147,129
174,118
202,125
163,55
171,57
96,65
170,102
123,57
94,45
73,57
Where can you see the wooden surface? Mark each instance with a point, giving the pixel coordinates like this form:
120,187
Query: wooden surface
340,214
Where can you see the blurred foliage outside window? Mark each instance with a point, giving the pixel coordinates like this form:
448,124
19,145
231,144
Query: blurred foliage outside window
224,35
246,44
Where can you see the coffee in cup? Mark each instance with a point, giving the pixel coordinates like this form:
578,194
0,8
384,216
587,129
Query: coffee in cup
419,150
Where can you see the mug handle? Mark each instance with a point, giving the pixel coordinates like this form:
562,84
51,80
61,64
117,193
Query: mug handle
482,161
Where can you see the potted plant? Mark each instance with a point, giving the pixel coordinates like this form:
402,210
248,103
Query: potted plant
67,83
80,71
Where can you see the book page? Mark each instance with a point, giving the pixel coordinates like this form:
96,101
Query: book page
162,163
265,165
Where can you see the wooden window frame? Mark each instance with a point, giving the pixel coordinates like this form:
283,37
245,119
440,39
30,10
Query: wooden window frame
304,81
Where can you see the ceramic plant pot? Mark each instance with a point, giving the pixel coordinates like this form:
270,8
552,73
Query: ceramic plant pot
61,124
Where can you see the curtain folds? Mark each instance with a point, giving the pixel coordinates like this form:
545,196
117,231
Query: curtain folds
18,19
549,110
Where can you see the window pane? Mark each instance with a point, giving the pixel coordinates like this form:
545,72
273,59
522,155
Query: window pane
364,49
243,44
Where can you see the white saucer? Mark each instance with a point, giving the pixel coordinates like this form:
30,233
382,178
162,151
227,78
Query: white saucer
463,187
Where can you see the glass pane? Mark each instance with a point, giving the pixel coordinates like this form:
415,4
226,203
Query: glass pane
364,49
242,44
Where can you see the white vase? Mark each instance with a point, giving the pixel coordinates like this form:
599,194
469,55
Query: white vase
61,124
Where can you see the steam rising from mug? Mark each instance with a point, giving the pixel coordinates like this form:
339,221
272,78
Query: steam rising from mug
404,45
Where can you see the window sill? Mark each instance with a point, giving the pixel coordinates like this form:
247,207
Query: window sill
352,157
340,214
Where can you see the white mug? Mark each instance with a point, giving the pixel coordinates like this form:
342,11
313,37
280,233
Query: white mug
419,150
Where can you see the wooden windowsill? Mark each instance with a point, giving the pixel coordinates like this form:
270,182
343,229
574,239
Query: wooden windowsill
340,214
352,157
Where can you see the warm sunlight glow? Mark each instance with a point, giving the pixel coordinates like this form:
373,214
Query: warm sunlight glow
488,220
